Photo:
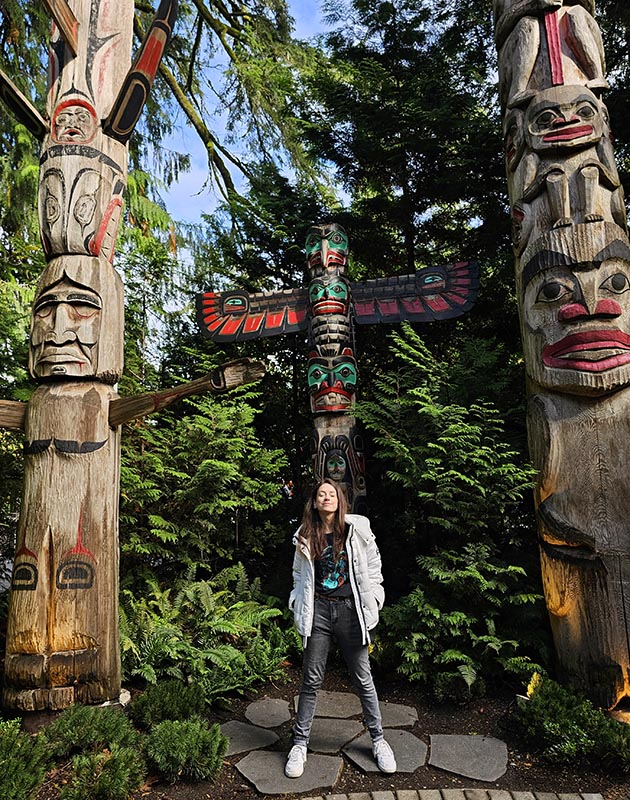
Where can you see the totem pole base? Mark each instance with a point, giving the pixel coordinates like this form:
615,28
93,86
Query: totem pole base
55,699
55,682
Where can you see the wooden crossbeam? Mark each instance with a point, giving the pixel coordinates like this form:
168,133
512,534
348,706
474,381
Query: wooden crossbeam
22,107
65,20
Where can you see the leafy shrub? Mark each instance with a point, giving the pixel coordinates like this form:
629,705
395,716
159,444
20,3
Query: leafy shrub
89,728
566,728
186,750
23,762
219,633
111,774
167,700
451,630
462,482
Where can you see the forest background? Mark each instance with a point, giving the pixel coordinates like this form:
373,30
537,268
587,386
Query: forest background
389,124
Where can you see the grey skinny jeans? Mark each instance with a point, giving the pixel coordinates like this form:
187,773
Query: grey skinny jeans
336,620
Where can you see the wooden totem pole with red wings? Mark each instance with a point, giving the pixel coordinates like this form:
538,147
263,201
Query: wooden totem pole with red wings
573,287
62,638
328,310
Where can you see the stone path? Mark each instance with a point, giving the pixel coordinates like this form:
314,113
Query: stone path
337,731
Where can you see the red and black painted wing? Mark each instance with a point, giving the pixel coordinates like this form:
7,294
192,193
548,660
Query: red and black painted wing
238,316
133,94
433,293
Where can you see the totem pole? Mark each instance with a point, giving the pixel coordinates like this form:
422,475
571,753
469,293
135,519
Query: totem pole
62,638
573,280
328,309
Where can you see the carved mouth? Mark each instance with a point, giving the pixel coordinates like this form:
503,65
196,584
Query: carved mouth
567,134
590,351
328,307
63,357
329,400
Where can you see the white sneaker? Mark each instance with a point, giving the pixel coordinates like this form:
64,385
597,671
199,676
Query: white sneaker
295,761
384,756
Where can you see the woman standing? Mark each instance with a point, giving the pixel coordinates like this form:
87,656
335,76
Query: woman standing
337,594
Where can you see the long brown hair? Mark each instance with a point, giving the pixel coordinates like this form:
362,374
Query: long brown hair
312,529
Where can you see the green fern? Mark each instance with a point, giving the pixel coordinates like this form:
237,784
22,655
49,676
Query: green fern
217,633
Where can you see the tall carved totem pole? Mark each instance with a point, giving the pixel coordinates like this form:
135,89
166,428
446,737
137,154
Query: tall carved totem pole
62,638
328,310
573,287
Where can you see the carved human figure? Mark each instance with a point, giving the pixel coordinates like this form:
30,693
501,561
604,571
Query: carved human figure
575,287
62,636
338,455
93,103
332,381
575,284
63,628
576,335
326,250
561,163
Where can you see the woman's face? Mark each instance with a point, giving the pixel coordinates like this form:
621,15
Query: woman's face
326,500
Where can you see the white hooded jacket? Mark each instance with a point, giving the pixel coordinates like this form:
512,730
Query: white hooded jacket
366,580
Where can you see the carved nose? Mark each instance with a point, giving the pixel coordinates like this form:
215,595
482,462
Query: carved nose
62,328
577,311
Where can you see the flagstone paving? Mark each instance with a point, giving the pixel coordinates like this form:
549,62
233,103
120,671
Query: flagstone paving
481,757
335,733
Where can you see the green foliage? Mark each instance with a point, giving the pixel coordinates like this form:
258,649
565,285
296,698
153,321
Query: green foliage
187,750
566,728
81,729
167,700
455,630
219,634
462,621
461,476
24,760
110,774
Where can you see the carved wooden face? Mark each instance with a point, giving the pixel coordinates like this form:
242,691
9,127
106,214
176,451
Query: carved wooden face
576,318
335,466
514,138
565,117
326,250
332,381
329,295
65,331
77,321
74,122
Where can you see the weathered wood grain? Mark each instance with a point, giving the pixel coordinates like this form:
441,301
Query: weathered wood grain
573,281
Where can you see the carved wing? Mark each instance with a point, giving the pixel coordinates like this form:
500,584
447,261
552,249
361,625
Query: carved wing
238,316
432,294
133,94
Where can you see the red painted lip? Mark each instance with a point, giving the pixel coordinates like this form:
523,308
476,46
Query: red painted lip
555,355
566,134
329,307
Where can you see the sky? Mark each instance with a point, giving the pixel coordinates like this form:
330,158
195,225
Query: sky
189,197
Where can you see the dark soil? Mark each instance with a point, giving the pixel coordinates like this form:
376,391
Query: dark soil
489,716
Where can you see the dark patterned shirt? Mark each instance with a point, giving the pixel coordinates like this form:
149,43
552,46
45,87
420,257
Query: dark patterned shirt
331,575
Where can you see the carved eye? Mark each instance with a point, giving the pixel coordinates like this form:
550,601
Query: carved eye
79,311
316,374
553,291
617,283
586,111
545,119
44,311
338,289
313,242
